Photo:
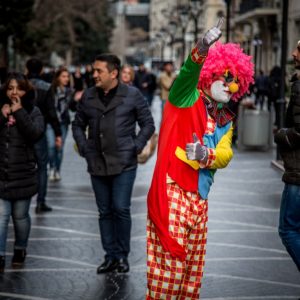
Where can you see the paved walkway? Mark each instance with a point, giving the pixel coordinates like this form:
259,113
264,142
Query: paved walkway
245,258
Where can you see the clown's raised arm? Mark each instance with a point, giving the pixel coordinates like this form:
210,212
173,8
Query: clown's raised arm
184,91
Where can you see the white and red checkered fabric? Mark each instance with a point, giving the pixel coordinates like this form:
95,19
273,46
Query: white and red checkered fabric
167,277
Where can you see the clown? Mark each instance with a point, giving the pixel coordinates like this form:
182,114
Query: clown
194,141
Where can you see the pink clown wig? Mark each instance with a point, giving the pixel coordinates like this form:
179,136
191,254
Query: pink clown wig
229,57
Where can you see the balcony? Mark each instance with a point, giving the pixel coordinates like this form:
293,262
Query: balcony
255,9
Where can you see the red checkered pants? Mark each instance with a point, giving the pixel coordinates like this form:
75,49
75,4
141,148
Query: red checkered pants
169,278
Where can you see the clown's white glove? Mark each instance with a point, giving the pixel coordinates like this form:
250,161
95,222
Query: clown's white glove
196,151
210,37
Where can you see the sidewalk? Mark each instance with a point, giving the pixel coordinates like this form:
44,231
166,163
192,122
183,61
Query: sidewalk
245,258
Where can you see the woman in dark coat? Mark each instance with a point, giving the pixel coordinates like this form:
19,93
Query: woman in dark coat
21,125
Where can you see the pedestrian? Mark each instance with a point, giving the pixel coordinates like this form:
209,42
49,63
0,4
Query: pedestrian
165,82
194,141
144,82
288,141
111,111
21,125
127,74
44,102
274,92
78,79
261,88
88,76
62,96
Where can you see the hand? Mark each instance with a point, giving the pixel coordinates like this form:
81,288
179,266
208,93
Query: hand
77,96
6,110
210,37
58,142
16,104
196,151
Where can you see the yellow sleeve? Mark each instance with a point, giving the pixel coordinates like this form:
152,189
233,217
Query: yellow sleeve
217,158
223,151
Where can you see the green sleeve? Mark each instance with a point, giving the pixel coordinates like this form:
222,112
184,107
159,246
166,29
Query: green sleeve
184,91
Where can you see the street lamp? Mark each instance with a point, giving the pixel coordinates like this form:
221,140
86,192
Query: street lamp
228,2
161,36
172,28
184,19
196,7
257,43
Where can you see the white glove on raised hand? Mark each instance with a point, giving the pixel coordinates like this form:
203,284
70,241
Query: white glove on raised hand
196,151
210,37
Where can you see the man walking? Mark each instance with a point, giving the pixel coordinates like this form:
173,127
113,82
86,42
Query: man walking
44,102
111,110
288,140
165,82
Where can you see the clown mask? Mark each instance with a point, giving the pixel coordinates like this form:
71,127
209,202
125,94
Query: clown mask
223,87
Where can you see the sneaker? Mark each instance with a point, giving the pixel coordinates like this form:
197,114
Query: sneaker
42,207
19,257
52,175
2,263
57,176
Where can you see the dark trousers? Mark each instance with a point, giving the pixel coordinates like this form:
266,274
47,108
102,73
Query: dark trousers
41,152
113,198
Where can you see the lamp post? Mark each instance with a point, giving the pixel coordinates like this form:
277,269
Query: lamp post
184,19
172,28
257,43
228,3
281,101
161,36
196,7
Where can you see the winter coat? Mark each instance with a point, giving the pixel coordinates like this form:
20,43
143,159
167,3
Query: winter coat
18,170
112,144
288,139
45,103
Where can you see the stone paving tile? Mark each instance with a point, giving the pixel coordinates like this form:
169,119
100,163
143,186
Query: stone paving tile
245,258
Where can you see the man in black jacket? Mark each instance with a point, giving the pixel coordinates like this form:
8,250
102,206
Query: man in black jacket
111,110
288,140
44,102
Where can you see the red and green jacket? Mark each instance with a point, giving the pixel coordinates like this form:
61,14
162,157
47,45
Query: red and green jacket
184,114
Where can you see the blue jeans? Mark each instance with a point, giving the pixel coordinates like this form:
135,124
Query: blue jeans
289,221
19,210
56,154
113,198
41,151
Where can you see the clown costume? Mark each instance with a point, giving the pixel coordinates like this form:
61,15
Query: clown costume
194,141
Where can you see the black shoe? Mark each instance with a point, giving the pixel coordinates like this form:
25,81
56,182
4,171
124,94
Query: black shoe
19,257
42,207
123,265
2,264
108,266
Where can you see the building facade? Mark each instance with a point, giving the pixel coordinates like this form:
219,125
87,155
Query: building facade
167,29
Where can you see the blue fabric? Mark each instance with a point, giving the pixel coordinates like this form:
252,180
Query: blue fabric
19,210
56,154
289,221
113,198
206,176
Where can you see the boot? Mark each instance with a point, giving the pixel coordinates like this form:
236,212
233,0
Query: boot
42,207
2,264
19,257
